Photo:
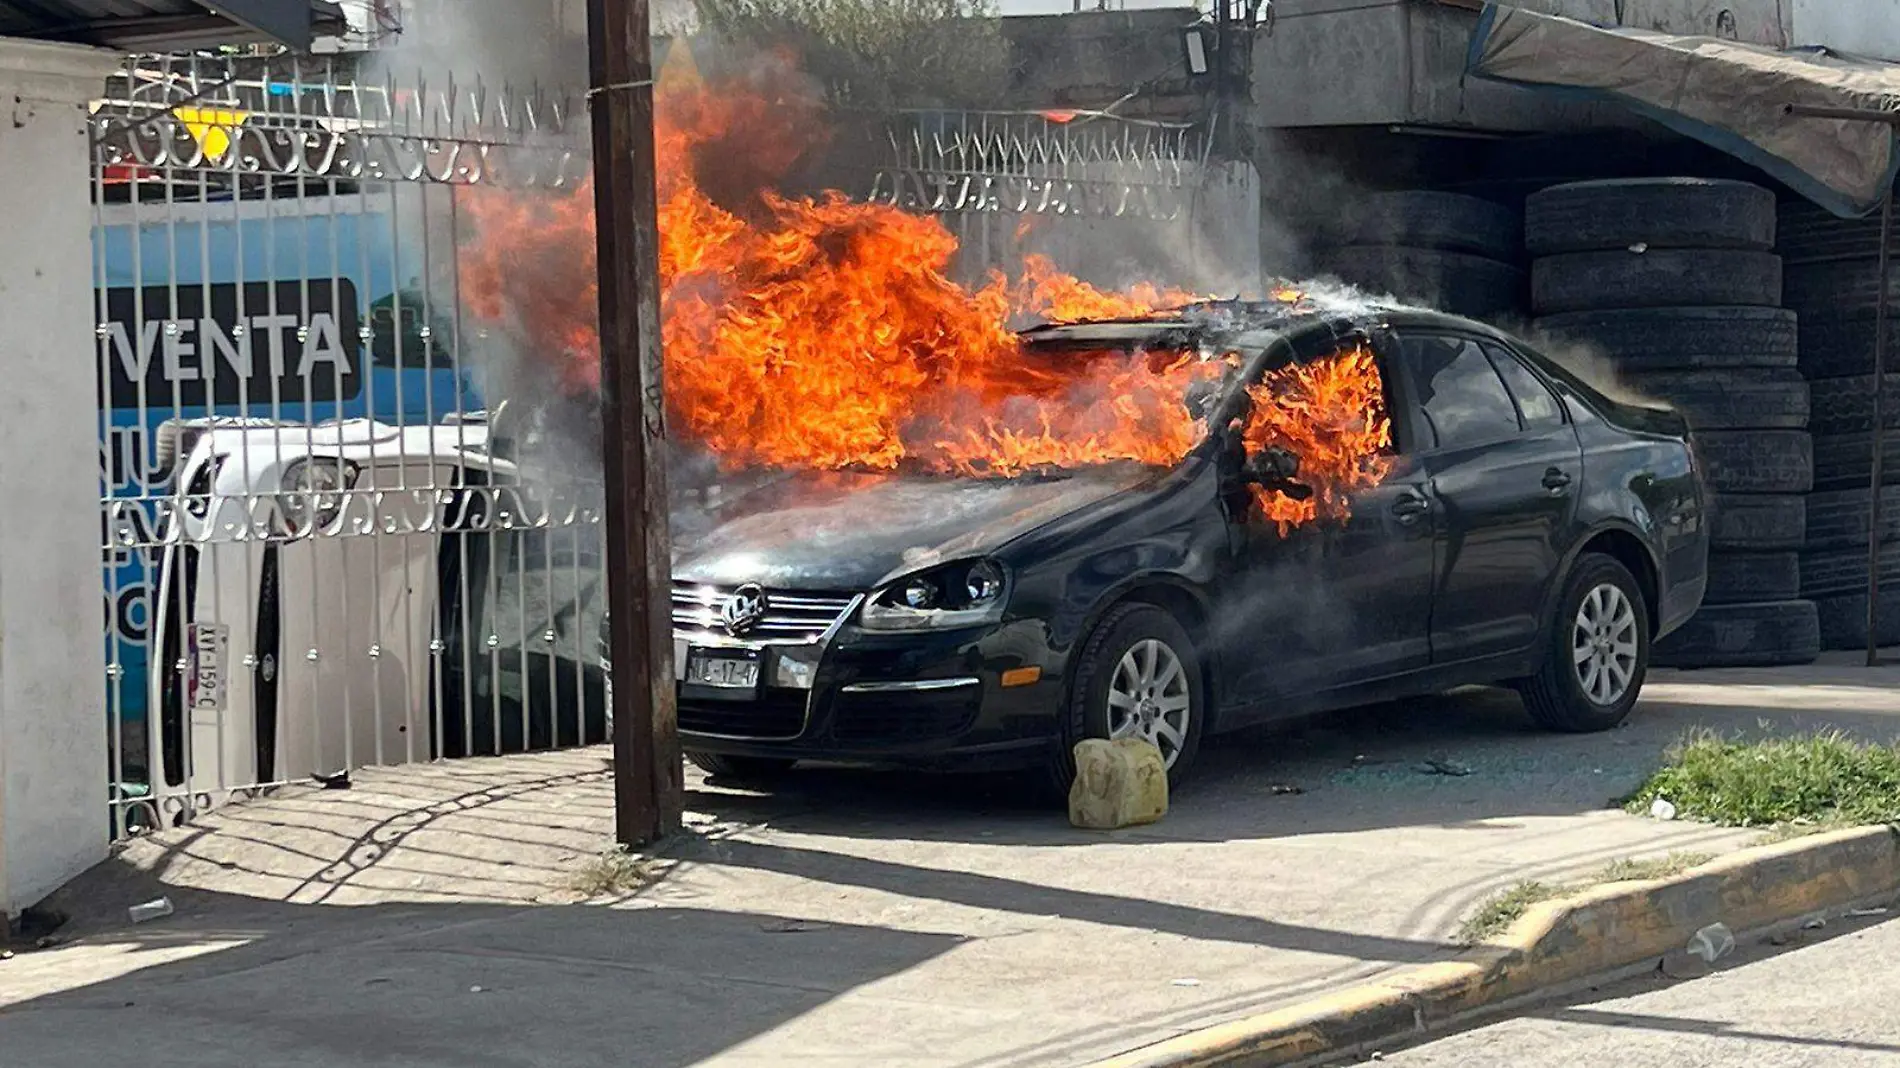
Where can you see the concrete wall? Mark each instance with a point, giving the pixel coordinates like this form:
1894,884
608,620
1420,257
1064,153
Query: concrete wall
1865,27
53,820
1396,62
1094,58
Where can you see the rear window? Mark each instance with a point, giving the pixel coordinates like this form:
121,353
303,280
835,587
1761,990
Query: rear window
1463,399
1535,402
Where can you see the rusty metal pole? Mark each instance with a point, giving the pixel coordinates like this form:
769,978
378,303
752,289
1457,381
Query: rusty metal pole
648,787
1880,435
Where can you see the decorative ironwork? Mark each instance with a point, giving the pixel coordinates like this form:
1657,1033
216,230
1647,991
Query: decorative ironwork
1040,163
293,117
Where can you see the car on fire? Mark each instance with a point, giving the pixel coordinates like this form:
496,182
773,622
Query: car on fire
1523,529
1527,530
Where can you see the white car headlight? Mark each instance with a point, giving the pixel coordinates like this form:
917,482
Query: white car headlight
966,593
312,492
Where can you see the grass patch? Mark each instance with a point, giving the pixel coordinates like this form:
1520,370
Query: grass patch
1634,871
615,871
1817,779
1505,909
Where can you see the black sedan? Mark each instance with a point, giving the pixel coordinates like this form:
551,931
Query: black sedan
1527,530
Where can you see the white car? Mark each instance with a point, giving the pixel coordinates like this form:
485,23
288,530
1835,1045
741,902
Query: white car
346,594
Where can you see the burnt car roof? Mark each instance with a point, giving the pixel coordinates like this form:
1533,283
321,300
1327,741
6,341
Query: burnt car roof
1231,322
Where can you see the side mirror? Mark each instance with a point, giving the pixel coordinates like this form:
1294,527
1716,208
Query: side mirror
1275,468
1200,398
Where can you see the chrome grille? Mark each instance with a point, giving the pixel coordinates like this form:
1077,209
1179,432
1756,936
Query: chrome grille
791,617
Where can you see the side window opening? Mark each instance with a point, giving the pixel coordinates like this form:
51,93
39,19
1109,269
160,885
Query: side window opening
1460,394
1537,406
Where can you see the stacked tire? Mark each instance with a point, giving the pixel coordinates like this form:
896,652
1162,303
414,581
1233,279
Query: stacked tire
1446,251
1676,282
1833,281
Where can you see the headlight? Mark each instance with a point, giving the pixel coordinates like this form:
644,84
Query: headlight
954,595
313,492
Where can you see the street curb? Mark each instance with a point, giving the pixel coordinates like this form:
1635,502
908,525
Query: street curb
1598,931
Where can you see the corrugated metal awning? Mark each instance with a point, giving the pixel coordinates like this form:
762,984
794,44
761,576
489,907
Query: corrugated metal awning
1728,94
172,25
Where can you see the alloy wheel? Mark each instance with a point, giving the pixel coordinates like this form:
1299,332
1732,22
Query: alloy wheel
1149,698
1604,644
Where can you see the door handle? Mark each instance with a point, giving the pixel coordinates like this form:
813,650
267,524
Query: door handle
1556,481
1410,506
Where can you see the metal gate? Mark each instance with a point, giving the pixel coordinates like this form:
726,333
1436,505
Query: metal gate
1114,200
323,549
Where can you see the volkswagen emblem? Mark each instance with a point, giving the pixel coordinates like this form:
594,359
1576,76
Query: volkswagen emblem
743,610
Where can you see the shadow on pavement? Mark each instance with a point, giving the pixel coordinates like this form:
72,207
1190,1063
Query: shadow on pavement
982,891
237,982
1467,759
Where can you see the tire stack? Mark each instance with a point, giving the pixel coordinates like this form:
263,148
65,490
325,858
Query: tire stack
1833,281
1447,251
1675,280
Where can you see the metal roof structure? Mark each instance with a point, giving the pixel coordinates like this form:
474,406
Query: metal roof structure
173,25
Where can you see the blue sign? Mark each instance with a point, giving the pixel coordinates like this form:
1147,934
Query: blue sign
303,309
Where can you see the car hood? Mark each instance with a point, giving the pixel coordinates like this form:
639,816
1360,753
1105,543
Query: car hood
852,532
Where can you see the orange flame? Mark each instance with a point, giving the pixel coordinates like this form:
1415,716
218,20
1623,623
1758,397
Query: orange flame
819,333
1331,414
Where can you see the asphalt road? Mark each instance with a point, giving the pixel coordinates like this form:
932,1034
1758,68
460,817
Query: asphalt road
1830,1004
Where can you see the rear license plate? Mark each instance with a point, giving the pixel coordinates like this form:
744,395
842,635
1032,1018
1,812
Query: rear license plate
738,671
205,681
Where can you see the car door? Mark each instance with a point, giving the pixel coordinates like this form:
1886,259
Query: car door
1504,465
1331,604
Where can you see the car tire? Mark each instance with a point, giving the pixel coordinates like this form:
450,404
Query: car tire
1809,233
1757,461
1744,635
1847,288
1732,399
1455,282
1739,578
1426,219
1617,213
1587,281
1826,572
1846,461
1838,519
1579,698
1837,346
1749,522
739,769
1846,405
1121,633
1681,339
1843,620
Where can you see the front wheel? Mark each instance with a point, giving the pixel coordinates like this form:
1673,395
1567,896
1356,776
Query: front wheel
1137,676
1599,651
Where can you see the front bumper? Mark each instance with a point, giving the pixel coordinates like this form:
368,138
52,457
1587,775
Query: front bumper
919,699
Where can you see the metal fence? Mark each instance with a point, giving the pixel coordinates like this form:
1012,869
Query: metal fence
322,549
1113,199
328,544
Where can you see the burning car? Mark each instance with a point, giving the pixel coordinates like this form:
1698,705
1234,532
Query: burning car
1341,506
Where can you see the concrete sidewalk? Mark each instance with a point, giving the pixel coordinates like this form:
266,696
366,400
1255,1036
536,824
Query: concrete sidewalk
855,918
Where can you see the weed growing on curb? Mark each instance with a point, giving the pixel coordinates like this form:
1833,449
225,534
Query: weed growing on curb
1810,779
1632,871
615,871
1505,909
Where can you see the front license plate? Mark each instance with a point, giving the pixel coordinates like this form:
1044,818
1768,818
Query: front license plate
723,671
205,681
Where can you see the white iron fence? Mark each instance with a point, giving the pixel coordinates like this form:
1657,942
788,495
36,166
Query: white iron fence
321,552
